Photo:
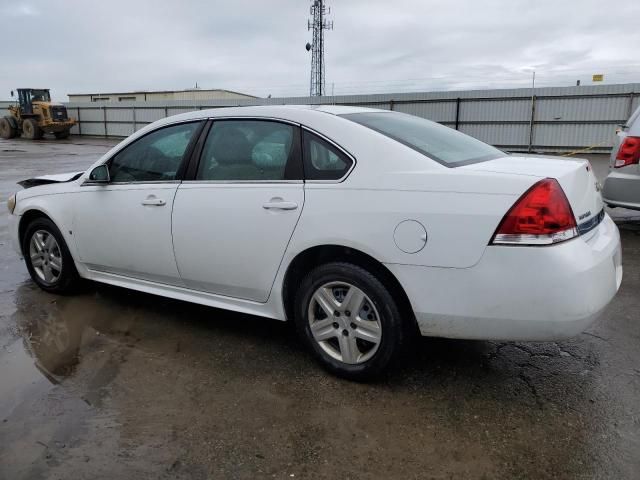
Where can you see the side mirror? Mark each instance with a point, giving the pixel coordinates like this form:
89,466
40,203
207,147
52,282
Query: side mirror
100,174
12,93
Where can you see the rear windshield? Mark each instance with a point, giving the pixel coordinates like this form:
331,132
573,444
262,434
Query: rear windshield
442,144
632,119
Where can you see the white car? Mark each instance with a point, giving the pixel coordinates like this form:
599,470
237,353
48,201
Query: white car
362,226
621,188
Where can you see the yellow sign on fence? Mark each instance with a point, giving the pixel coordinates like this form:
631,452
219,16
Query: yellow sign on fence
598,77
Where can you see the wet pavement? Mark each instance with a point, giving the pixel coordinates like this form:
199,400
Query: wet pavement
117,384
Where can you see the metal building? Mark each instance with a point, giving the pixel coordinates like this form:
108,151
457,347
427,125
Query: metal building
161,95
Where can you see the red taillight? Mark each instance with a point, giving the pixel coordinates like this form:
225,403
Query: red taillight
541,216
628,153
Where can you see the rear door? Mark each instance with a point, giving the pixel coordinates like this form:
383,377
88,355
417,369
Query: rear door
232,221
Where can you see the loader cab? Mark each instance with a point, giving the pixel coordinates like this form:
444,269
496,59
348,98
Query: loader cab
26,97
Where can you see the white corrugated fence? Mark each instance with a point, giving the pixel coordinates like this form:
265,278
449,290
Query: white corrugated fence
551,119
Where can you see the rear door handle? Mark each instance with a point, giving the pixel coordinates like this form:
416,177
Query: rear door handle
153,201
279,204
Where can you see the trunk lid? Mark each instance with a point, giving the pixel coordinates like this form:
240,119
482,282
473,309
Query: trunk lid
574,175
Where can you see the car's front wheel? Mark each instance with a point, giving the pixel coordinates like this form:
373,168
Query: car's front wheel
47,257
349,320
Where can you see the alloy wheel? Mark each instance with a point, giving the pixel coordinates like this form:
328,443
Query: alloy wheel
344,322
45,256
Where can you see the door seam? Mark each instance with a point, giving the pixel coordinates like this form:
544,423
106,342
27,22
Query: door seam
173,246
286,248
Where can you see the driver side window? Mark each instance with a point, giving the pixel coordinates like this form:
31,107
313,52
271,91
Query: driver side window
155,157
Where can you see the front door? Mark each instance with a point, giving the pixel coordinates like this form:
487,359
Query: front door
124,227
232,223
24,98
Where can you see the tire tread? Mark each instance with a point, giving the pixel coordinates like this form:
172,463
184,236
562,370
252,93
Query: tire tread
387,354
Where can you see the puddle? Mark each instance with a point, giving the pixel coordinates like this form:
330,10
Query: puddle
20,377
51,338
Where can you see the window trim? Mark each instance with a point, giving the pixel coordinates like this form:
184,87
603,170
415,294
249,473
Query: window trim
194,164
180,172
194,161
335,145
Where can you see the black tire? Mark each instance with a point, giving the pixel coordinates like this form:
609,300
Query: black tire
31,130
67,279
392,328
61,135
6,129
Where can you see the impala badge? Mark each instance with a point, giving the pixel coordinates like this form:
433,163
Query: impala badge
585,215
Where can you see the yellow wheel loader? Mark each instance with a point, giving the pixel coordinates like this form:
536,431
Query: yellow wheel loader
34,115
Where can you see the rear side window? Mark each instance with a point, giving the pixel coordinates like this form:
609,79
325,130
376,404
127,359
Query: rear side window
323,161
442,144
250,150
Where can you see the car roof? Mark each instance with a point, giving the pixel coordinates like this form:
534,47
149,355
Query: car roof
336,109
290,112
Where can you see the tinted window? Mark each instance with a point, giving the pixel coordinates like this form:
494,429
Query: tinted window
323,161
249,150
40,96
443,144
155,157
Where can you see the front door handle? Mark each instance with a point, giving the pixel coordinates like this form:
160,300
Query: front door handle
279,204
153,201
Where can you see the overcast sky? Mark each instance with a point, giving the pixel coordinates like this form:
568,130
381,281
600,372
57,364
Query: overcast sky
257,47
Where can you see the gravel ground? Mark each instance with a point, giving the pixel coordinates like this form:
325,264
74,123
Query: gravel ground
119,384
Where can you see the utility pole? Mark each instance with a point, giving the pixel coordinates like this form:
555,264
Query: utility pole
533,111
318,24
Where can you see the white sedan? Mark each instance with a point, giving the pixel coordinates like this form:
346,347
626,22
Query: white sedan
362,226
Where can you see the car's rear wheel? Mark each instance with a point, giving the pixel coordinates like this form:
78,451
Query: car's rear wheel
349,320
47,257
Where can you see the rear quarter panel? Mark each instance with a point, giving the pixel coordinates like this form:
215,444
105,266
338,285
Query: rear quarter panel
459,224
460,209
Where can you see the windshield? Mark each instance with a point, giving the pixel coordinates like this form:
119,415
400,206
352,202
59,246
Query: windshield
40,96
442,144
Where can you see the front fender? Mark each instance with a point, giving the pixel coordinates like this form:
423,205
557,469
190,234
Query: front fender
58,208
